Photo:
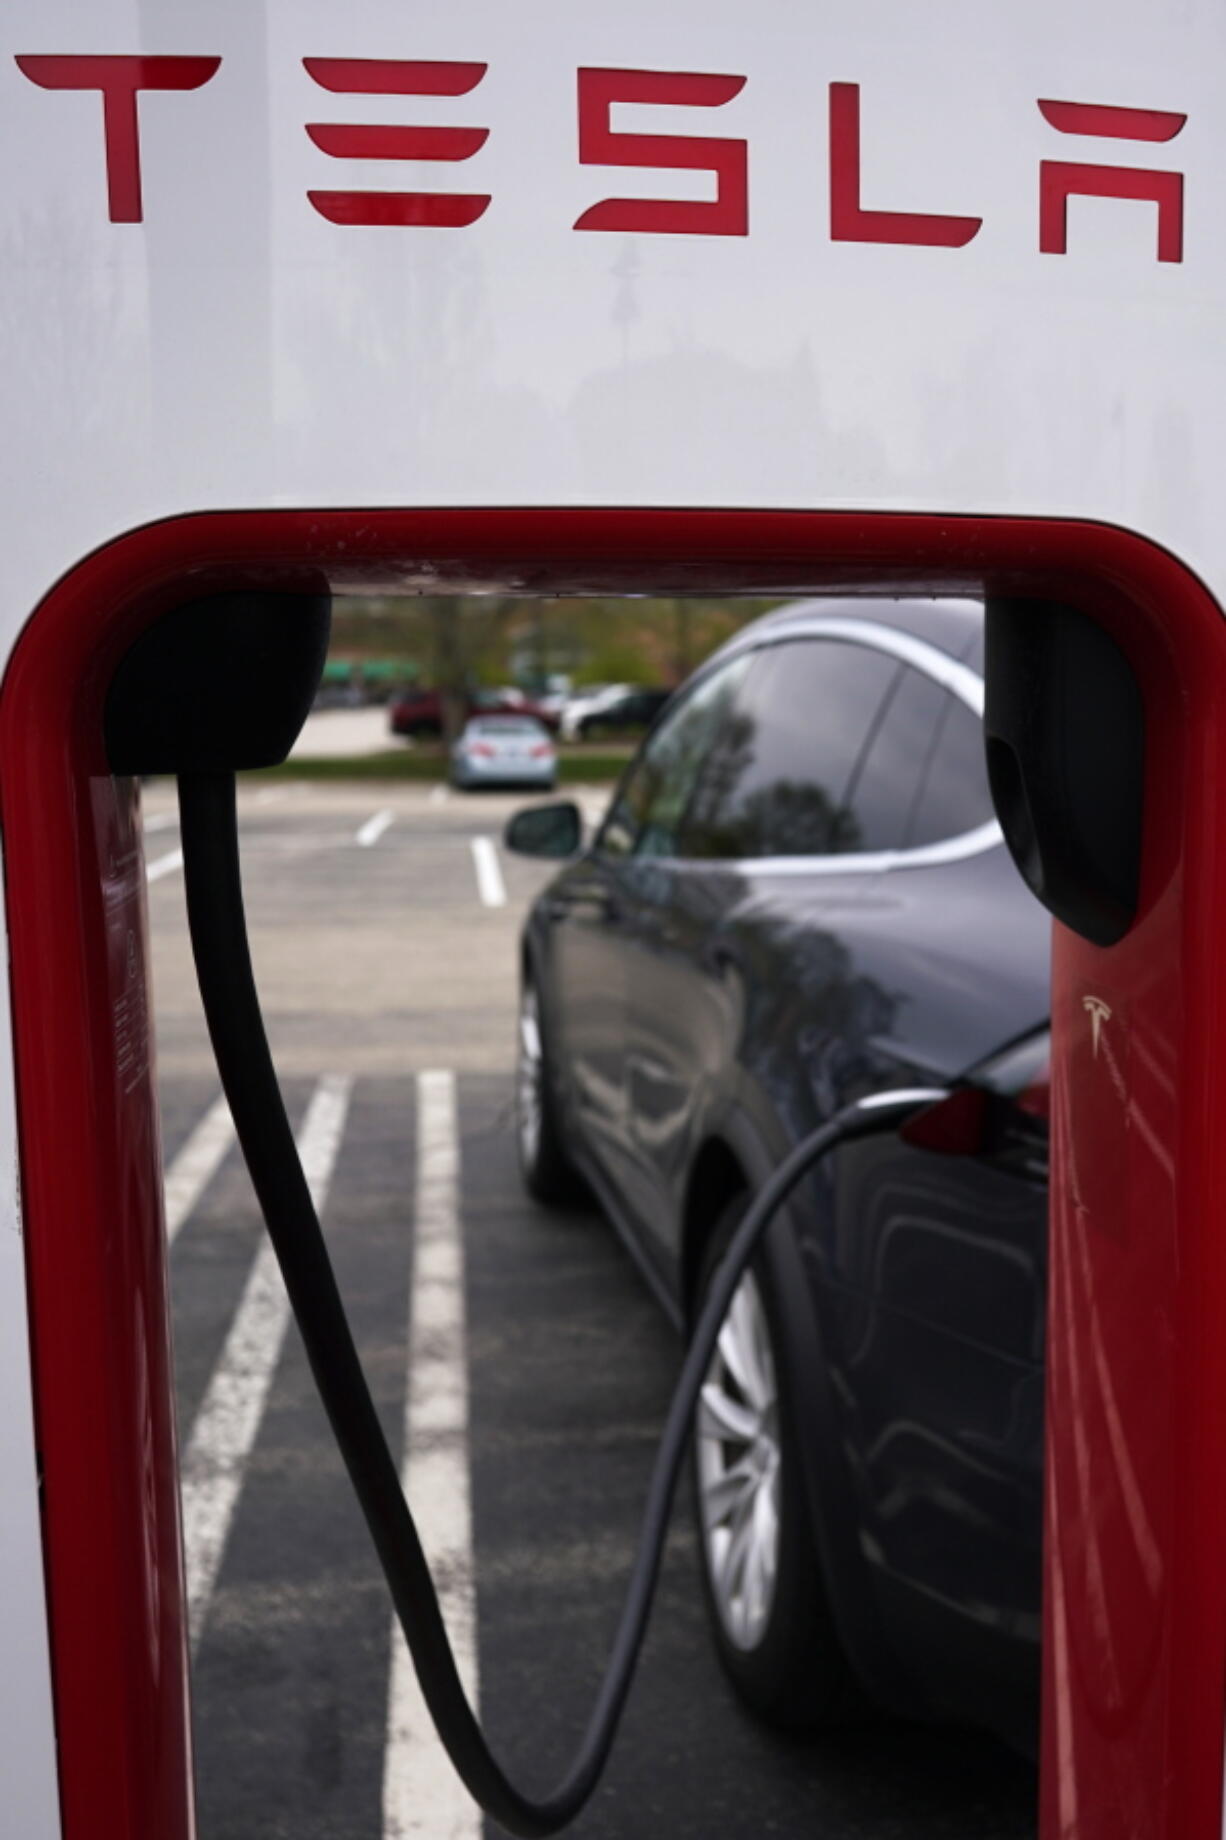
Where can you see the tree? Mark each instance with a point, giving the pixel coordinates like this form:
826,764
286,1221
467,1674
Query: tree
463,640
464,630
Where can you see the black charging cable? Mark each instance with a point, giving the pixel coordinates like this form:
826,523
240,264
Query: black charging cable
232,1010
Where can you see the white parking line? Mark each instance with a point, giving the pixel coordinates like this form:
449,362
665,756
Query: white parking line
233,1406
423,1798
164,865
374,828
490,885
196,1165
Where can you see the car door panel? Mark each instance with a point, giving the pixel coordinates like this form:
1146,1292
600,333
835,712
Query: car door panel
685,1013
586,1011
930,1280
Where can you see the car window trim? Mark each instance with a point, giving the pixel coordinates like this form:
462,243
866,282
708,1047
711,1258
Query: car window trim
862,862
965,683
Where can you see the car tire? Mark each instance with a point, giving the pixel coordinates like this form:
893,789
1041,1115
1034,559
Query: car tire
769,1613
548,1174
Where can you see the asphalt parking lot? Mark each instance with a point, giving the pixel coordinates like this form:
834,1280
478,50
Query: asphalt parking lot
384,924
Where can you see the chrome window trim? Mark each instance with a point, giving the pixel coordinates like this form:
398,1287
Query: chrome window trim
966,685
867,862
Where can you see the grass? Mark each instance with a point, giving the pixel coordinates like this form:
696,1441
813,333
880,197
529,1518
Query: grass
575,768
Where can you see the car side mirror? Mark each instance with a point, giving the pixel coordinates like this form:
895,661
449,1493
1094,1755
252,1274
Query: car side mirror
546,830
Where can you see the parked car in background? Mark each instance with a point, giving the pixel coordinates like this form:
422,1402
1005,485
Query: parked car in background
800,896
504,750
549,705
585,702
419,714
632,709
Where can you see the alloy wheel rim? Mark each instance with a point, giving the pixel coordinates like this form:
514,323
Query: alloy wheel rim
738,1462
529,1074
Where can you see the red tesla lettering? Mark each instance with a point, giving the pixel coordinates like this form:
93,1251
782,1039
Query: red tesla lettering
120,79
1116,124
599,145
353,141
1059,180
848,222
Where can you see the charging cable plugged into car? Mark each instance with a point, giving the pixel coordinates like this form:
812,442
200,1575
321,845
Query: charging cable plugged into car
159,719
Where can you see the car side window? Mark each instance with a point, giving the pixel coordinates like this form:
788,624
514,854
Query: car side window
624,818
953,796
776,782
883,793
649,805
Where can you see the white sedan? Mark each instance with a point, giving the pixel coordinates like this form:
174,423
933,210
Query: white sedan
585,703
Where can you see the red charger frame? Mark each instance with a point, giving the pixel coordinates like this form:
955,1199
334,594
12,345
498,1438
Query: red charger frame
1135,1543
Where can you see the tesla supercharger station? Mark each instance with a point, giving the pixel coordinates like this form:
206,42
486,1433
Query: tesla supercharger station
621,298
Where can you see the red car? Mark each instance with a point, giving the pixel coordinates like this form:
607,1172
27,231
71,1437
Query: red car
420,713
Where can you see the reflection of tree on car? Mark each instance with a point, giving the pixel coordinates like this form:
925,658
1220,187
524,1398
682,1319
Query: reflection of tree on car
826,1017
798,896
785,817
789,818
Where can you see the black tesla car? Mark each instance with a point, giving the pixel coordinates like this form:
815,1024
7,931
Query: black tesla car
799,896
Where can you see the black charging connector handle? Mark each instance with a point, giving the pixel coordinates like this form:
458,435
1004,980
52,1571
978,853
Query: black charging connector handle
232,1009
1064,727
221,683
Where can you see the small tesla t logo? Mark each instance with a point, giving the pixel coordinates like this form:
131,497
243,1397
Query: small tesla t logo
1098,1012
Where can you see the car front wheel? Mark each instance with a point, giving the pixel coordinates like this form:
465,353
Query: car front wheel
548,1174
769,1615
